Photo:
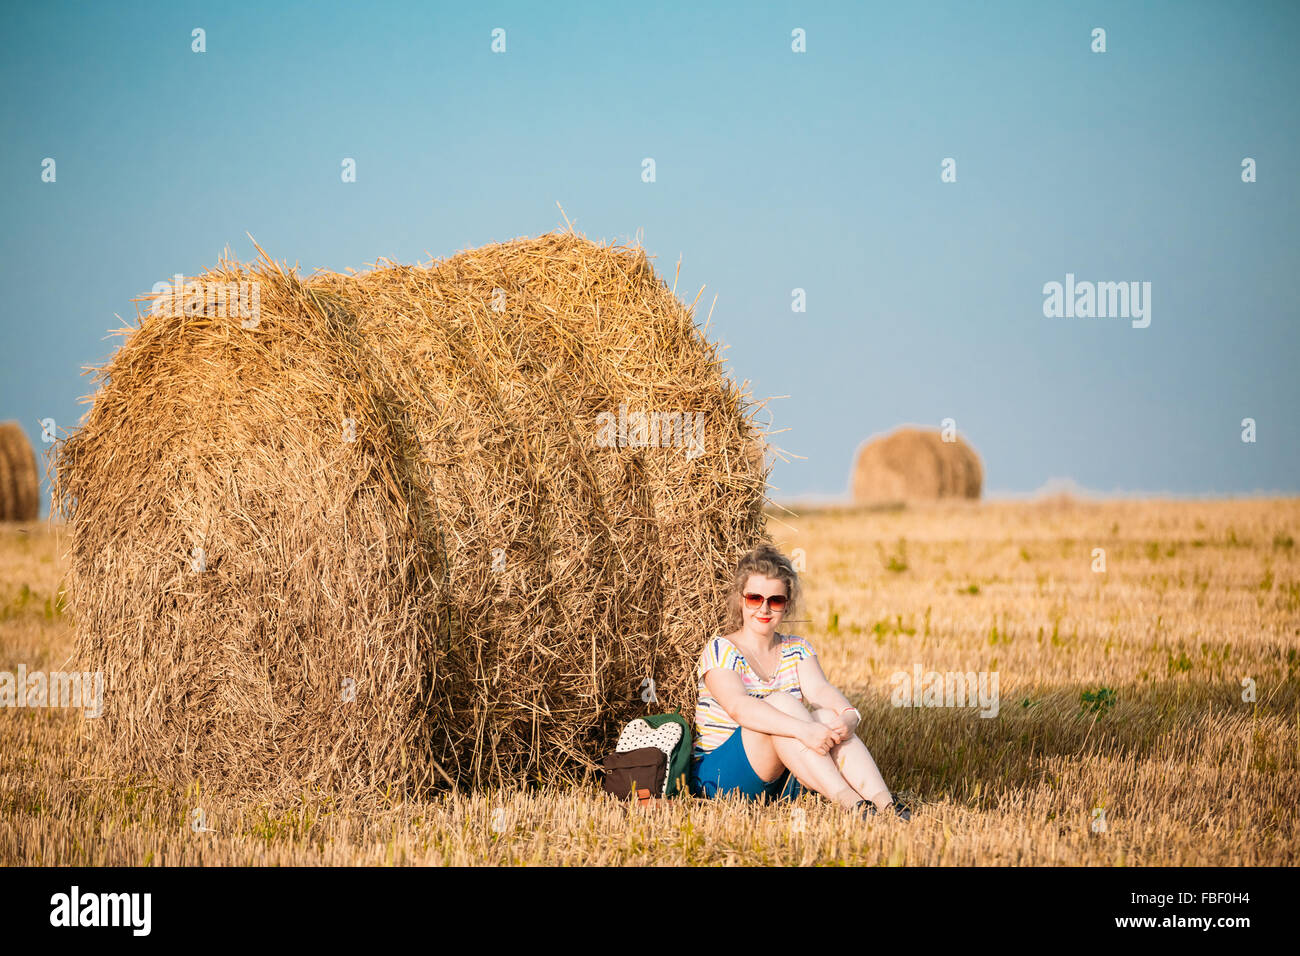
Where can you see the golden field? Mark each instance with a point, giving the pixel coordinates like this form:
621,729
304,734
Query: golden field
1122,736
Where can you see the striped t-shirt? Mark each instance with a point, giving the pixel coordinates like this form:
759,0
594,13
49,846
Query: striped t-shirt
712,724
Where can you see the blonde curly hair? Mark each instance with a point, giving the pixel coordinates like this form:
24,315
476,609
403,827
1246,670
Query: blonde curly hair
769,562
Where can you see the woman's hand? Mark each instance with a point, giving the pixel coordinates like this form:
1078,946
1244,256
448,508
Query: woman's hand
844,726
817,737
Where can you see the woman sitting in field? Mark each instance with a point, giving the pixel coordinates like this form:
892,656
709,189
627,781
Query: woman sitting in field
754,733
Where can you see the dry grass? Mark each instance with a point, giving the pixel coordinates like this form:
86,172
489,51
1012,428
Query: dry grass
1195,596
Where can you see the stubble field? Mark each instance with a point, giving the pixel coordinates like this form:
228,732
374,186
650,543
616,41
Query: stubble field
1147,713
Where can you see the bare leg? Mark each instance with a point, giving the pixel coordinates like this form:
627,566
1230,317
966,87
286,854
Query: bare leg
769,754
858,767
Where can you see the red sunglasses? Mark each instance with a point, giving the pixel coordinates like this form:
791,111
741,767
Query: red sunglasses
776,602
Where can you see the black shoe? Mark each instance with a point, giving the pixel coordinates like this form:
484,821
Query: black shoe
904,812
867,807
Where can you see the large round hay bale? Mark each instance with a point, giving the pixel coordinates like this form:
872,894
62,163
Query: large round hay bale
20,488
915,464
439,538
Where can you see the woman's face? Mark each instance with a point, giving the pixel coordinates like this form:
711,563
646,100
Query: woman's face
762,620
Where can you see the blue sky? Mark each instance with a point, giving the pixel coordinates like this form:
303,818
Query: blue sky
775,170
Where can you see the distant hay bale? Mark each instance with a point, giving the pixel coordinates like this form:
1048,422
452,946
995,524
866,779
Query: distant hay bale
6,487
1059,494
415,525
915,464
20,489
970,470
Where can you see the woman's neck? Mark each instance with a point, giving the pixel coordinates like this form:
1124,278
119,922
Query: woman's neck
758,640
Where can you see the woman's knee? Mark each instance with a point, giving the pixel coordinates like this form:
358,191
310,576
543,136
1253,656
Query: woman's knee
824,715
760,749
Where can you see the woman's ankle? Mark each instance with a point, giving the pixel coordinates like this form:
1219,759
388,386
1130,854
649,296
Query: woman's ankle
848,798
882,799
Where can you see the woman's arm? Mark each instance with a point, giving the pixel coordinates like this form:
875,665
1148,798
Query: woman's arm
729,691
819,692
